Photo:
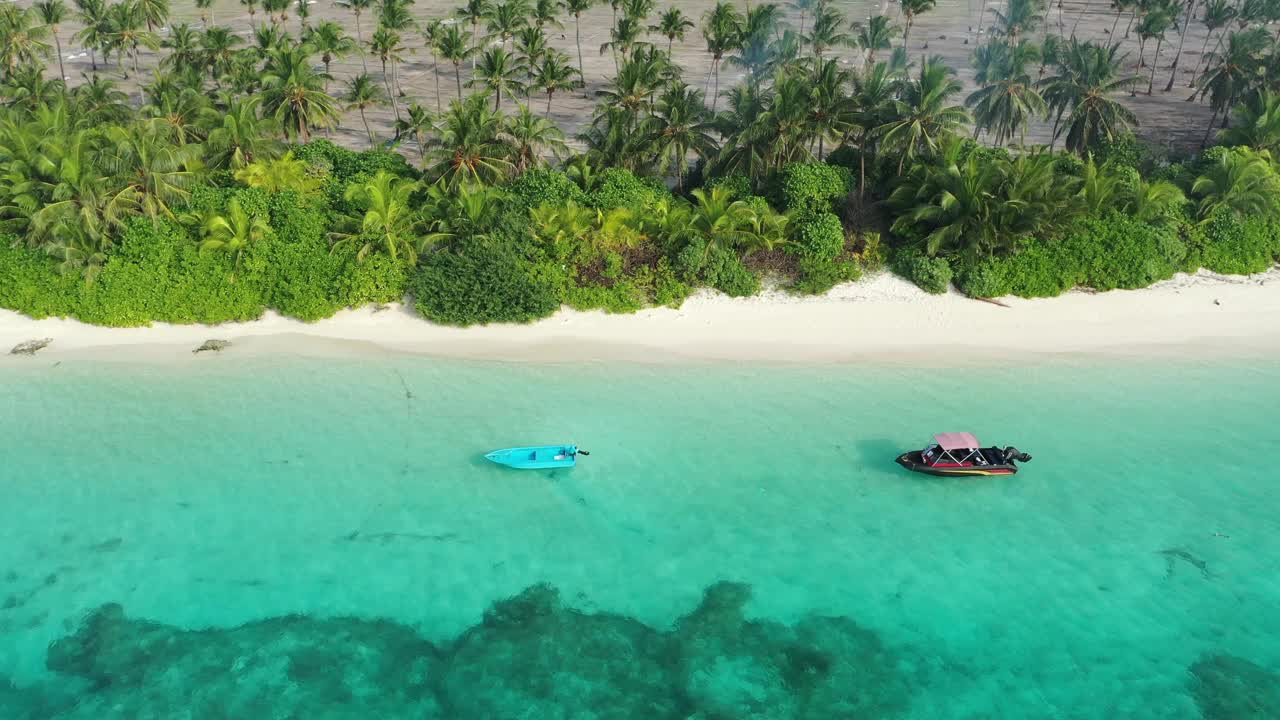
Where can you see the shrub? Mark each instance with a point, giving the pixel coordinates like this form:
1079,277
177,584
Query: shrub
1116,251
378,279
667,288
624,296
482,282
725,272
814,187
1239,247
345,164
739,186
31,284
933,275
818,276
1042,269
819,237
872,253
987,278
620,188
544,186
1122,149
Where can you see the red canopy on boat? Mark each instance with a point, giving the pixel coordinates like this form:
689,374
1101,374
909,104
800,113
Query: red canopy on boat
956,441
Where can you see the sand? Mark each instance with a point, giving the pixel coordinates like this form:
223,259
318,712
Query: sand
883,317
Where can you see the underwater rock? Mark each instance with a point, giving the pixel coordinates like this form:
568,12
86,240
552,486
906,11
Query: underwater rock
213,346
31,347
1231,688
532,657
288,667
824,668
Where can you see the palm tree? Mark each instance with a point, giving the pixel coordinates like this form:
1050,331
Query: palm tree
547,13
672,25
721,28
531,44
498,71
278,174
156,12
1006,99
1156,23
294,94
206,8
506,19
417,121
623,37
554,74
638,9
912,8
1232,72
53,13
473,12
804,6
1242,182
388,221
363,93
872,100
1182,39
1020,16
386,45
922,113
577,7
357,7
453,47
431,36
238,136
830,107
530,137
127,21
304,16
92,15
232,233
22,41
876,34
185,53
156,173
252,7
828,30
469,147
1257,123
1079,95
217,46
331,42
680,125
1217,15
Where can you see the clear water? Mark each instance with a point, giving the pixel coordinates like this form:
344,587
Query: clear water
225,494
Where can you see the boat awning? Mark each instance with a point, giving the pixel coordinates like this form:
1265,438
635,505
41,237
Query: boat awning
956,441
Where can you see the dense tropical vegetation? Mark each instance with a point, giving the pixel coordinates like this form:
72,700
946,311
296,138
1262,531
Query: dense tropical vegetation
211,192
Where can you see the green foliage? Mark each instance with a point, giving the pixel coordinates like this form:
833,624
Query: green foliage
346,164
814,187
481,282
738,185
717,267
617,188
668,289
819,238
1236,246
31,284
931,274
1120,150
544,186
818,276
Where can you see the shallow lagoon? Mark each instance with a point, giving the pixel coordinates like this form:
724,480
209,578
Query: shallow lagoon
1128,572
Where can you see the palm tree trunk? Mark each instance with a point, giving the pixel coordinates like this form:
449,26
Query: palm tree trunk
577,38
862,168
457,74
1129,27
366,125
360,40
548,113
1212,119
670,41
475,30
1199,62
62,72
906,33
982,16
1116,24
93,59
422,148
716,97
1155,63
497,99
1182,38
435,70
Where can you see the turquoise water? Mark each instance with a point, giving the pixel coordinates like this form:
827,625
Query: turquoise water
300,537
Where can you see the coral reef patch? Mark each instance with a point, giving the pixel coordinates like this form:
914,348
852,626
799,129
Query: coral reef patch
1232,688
530,657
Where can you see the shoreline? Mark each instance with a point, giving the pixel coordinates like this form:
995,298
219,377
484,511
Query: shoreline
881,317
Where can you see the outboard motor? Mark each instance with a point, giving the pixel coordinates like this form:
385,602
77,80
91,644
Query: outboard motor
1012,453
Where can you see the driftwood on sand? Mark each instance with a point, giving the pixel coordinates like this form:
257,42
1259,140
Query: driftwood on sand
993,301
213,346
30,347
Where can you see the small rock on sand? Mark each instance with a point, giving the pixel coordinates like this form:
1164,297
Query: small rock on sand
213,345
30,347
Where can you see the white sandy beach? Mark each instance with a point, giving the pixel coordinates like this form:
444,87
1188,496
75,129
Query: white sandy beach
883,316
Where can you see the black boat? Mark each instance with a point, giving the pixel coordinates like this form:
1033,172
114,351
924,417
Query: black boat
961,455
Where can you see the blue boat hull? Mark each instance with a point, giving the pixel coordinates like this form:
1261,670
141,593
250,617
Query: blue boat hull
536,458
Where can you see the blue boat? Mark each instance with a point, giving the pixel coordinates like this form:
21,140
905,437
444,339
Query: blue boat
537,458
